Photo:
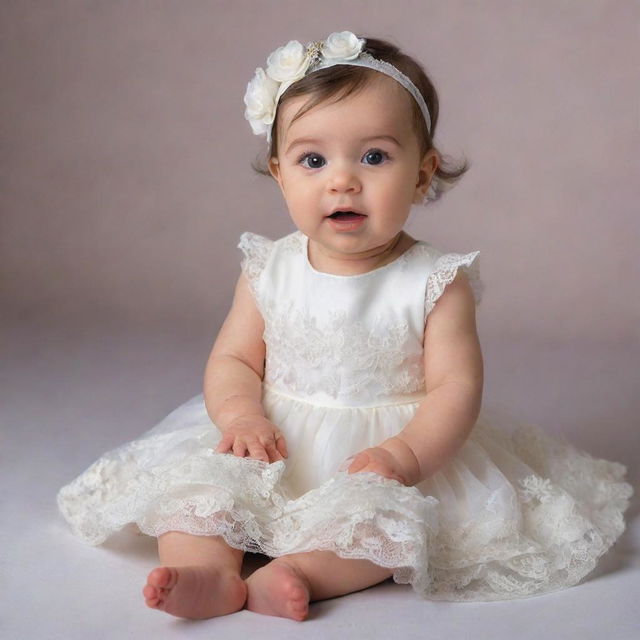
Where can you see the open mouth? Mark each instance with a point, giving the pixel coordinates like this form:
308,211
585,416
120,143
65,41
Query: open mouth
346,215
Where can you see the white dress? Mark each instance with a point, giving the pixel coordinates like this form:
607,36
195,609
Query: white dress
513,514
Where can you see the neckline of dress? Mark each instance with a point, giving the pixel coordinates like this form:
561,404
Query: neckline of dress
305,254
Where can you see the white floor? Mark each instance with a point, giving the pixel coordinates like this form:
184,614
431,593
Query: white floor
69,394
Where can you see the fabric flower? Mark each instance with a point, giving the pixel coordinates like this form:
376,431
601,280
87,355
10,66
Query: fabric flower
288,63
260,99
343,45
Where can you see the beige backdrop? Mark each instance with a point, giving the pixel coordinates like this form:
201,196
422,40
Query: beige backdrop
126,176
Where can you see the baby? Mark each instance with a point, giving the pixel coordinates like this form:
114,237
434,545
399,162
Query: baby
340,430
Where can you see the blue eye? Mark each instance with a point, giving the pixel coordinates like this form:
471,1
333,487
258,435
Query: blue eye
312,157
316,161
376,152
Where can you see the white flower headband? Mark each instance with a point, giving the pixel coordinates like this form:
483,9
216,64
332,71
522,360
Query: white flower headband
293,61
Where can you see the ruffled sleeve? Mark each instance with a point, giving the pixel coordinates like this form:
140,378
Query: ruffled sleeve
256,250
446,269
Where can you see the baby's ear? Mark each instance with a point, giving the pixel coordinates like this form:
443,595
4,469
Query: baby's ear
428,167
274,168
422,186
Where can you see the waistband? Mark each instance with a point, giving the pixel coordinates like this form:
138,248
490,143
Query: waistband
328,402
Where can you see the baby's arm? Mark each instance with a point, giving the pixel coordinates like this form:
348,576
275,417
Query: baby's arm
232,385
454,381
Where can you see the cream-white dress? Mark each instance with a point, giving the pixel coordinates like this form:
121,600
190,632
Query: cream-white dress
515,513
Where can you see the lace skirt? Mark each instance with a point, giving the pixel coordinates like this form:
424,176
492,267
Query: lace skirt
516,512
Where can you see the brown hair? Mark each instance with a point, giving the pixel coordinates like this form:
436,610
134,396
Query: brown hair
343,80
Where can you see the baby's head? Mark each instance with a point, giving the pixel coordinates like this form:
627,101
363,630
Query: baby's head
303,80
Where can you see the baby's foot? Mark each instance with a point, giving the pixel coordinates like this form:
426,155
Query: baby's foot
195,592
279,589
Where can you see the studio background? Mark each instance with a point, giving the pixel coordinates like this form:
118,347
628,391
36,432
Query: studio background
126,180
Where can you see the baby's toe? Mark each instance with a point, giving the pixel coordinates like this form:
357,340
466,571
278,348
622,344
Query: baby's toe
152,596
298,603
162,578
159,584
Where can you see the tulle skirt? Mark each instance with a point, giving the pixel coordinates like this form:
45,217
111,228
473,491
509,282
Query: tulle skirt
515,513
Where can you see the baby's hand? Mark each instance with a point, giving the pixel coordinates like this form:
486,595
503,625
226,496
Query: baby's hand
379,460
255,437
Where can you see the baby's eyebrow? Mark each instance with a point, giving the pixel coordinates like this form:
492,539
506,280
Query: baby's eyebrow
382,137
301,141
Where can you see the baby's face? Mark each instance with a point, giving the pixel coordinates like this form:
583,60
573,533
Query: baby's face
358,154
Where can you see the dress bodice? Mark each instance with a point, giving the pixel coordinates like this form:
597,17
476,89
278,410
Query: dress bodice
352,340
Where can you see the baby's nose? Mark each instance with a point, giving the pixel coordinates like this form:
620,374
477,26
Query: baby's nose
344,179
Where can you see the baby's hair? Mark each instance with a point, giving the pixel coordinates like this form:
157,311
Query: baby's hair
342,81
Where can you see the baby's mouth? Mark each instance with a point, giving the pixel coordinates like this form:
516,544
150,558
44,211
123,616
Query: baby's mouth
346,215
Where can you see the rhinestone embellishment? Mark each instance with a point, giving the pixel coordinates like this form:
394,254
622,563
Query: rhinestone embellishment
314,52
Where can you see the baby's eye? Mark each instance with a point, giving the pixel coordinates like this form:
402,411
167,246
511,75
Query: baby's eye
373,154
315,160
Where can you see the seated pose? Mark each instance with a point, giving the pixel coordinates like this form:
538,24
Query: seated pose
341,430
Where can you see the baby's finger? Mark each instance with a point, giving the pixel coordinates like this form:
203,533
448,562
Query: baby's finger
281,445
344,466
386,472
225,443
239,448
359,463
272,452
257,451
377,467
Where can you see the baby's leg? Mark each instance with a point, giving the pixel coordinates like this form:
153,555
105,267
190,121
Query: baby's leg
285,586
199,577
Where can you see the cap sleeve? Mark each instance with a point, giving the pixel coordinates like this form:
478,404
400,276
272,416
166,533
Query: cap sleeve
444,272
256,250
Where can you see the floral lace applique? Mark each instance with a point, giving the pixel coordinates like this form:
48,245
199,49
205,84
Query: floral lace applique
305,356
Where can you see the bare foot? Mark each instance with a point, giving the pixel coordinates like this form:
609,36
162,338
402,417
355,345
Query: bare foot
279,589
195,592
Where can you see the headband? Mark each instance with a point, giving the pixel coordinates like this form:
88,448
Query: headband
294,61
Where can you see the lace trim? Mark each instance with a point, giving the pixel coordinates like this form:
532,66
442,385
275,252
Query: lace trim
445,271
160,480
205,493
291,244
549,540
256,250
553,524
